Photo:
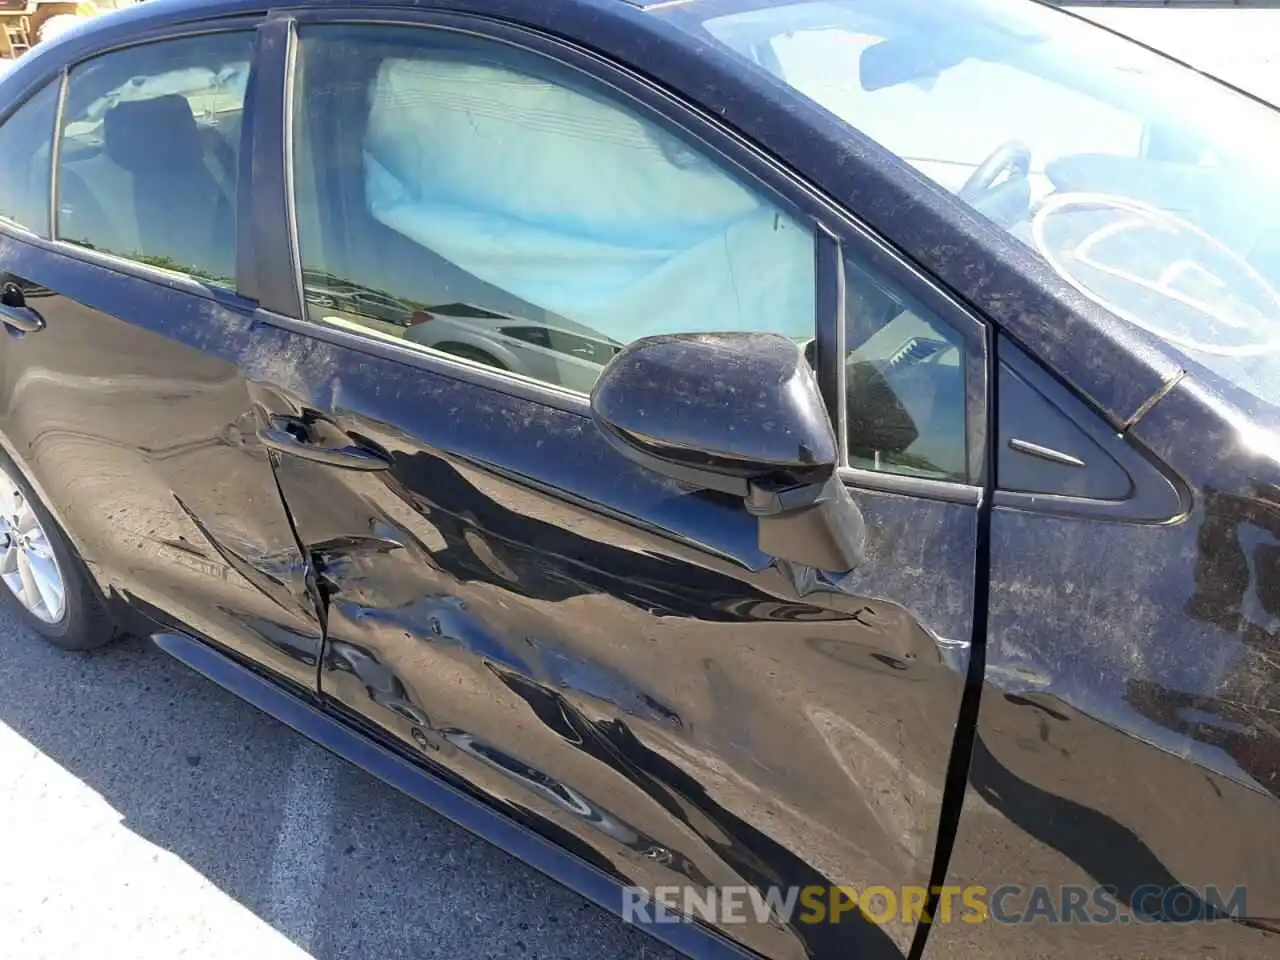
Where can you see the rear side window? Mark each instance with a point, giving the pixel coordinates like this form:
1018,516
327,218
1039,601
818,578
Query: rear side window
26,141
150,151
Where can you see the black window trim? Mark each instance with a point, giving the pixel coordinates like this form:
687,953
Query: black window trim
186,283
827,220
1159,496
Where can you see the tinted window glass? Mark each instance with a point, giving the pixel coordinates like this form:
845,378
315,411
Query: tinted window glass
455,195
1148,187
26,139
149,154
905,378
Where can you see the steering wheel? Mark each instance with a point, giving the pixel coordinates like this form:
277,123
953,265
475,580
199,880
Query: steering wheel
1013,158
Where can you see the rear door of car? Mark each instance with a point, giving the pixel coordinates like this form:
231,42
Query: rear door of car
606,657
128,407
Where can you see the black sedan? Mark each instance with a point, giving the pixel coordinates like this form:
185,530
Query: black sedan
903,580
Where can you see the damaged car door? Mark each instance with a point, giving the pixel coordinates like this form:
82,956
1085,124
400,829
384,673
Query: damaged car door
625,663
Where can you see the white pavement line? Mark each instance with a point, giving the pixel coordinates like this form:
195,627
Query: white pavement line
76,882
299,862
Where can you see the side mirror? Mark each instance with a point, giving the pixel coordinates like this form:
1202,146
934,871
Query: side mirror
738,413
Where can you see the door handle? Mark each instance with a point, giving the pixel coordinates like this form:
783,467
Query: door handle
14,312
293,439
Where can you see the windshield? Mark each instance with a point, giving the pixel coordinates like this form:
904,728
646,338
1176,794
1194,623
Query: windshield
1151,189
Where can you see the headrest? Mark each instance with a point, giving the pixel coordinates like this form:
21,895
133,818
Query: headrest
149,136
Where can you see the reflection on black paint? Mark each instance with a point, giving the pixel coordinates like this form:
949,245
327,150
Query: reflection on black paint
1222,570
1239,731
303,648
754,856
1111,853
381,684
280,578
571,801
1239,718
447,619
439,619
548,562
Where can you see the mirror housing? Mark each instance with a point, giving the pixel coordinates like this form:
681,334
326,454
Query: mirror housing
737,413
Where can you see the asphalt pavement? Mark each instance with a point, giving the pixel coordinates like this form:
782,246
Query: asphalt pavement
149,814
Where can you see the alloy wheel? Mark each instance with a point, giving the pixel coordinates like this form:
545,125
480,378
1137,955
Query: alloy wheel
27,563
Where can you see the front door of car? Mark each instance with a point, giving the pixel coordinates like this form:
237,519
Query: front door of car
609,658
126,401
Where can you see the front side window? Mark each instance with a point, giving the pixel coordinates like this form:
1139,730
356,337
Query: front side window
1148,187
148,162
26,143
466,197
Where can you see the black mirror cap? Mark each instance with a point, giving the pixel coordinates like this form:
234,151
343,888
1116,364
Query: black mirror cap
828,533
718,411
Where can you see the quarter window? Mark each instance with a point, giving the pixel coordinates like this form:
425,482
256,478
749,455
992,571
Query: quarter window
26,139
149,154
906,377
465,197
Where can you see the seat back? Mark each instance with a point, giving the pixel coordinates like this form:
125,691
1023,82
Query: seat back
182,213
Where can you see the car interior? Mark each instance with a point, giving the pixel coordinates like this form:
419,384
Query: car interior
164,139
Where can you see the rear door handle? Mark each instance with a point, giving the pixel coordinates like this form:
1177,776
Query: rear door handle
291,438
14,312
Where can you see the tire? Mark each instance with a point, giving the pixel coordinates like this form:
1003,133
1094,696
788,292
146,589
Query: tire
84,622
